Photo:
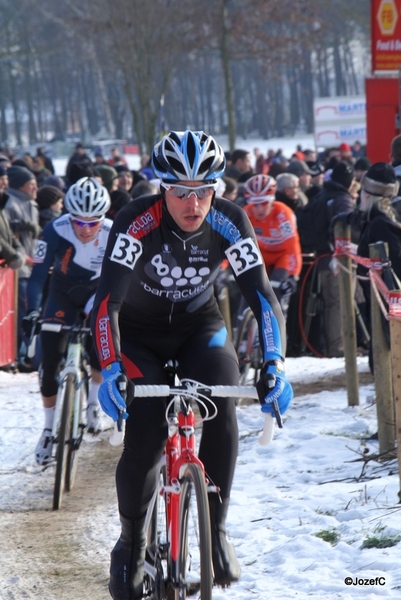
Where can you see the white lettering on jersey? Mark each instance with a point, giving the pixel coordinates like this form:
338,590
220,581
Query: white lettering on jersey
244,255
126,250
40,254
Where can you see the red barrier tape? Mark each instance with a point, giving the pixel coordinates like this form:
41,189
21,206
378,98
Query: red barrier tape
393,298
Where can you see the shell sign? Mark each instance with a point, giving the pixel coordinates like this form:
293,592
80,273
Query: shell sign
386,35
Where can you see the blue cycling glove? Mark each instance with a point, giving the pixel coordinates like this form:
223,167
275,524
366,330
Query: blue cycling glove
113,392
274,391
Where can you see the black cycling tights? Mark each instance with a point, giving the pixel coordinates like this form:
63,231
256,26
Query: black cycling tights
205,355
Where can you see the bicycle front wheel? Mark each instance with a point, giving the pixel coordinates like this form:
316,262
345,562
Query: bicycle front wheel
73,446
63,437
195,554
156,547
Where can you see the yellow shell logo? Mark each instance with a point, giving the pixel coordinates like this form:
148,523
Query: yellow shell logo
387,17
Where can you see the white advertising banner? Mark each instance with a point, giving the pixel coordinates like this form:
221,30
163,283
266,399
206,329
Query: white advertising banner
339,119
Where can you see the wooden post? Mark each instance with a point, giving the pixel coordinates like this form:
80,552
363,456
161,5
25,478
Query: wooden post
342,231
382,370
395,344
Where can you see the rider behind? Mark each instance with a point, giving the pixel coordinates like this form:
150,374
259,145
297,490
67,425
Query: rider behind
155,302
73,245
276,231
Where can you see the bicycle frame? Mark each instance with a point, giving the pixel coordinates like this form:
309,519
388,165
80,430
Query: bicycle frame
72,366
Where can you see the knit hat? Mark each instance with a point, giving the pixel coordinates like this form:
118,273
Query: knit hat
316,167
107,173
298,168
18,177
48,195
122,169
55,181
345,147
343,174
362,164
380,180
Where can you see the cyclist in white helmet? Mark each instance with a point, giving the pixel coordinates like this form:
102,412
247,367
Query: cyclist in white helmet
74,245
155,302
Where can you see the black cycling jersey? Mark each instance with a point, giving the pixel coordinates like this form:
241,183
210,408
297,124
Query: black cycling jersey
154,275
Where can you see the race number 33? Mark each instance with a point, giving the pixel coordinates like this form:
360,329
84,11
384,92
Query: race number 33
244,255
126,250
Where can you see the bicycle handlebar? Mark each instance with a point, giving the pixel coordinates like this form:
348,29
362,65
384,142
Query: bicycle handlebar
57,327
217,391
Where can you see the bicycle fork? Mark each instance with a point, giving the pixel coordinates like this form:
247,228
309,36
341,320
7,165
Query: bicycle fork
72,366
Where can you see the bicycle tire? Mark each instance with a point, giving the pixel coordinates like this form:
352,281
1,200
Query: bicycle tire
73,446
63,436
156,546
195,551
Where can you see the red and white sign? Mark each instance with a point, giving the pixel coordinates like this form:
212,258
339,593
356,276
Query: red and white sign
386,35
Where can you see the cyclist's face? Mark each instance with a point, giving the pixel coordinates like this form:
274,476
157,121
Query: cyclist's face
189,213
86,233
262,210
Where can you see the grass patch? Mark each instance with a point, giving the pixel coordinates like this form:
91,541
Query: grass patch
328,535
384,541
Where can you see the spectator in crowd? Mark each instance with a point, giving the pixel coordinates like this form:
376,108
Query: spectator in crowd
240,165
79,156
56,181
346,153
23,215
358,151
336,195
231,189
116,158
331,153
304,174
360,167
99,158
11,251
310,156
118,198
288,190
40,151
379,185
50,203
146,167
109,176
260,161
316,182
278,167
39,169
78,170
125,178
143,188
5,161
395,155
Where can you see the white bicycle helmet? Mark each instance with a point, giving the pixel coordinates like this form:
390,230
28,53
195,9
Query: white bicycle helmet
188,156
87,198
260,188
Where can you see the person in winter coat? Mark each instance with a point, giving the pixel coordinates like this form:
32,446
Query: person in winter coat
11,251
23,215
336,194
50,203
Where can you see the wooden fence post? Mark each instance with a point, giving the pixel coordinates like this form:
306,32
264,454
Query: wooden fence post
382,370
342,231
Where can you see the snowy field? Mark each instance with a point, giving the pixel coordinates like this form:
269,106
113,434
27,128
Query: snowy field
304,509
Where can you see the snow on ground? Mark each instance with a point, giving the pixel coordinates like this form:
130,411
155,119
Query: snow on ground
288,497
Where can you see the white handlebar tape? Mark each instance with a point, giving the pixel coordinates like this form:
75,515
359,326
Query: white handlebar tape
268,430
116,438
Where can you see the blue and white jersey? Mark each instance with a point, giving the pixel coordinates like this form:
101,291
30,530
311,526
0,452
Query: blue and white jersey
74,262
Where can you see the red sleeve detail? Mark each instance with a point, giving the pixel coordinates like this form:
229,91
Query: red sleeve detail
146,221
103,336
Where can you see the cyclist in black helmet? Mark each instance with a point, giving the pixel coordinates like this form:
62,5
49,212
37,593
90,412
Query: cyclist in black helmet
155,302
74,245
